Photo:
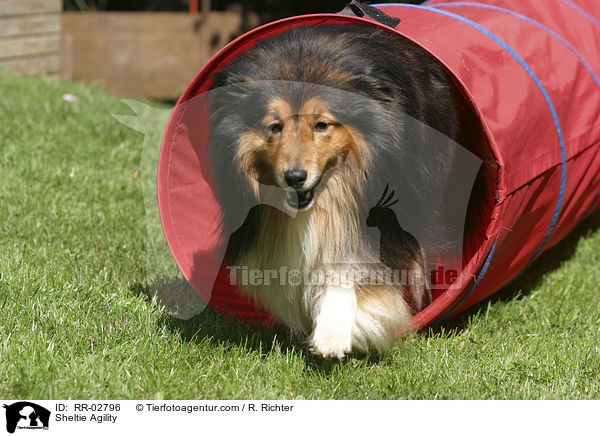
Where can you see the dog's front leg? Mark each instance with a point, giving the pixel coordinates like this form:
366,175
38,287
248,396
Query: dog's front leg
332,335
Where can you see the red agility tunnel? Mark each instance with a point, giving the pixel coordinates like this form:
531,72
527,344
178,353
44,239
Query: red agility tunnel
531,74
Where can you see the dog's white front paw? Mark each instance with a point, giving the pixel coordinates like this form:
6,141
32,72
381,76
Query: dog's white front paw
331,342
332,336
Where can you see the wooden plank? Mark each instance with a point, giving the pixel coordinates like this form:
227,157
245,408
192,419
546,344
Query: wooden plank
156,22
29,24
29,45
130,22
38,64
24,7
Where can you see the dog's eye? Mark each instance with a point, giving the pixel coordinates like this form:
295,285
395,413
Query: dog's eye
321,126
275,127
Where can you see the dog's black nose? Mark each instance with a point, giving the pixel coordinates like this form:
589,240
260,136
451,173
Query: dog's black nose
295,178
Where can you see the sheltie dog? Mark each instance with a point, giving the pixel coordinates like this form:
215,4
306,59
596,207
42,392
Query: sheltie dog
316,112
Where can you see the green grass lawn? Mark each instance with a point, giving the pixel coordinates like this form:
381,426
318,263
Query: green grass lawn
77,319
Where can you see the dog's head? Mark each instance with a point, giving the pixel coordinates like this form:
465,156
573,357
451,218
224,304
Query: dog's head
298,111
296,145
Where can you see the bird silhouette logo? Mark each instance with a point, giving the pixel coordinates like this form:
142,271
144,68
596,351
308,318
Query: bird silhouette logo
399,250
394,240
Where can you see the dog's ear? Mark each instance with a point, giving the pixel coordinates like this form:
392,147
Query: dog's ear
384,93
375,89
379,89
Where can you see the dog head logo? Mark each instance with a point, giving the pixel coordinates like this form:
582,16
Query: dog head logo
26,415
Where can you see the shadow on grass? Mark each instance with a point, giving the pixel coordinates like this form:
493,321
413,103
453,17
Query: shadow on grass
231,333
529,280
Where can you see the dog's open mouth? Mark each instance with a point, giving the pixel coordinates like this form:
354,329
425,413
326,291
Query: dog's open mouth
300,199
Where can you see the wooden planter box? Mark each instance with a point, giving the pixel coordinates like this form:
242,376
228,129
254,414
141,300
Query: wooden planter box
145,53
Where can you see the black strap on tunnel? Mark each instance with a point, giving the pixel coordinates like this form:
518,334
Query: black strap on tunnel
361,9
